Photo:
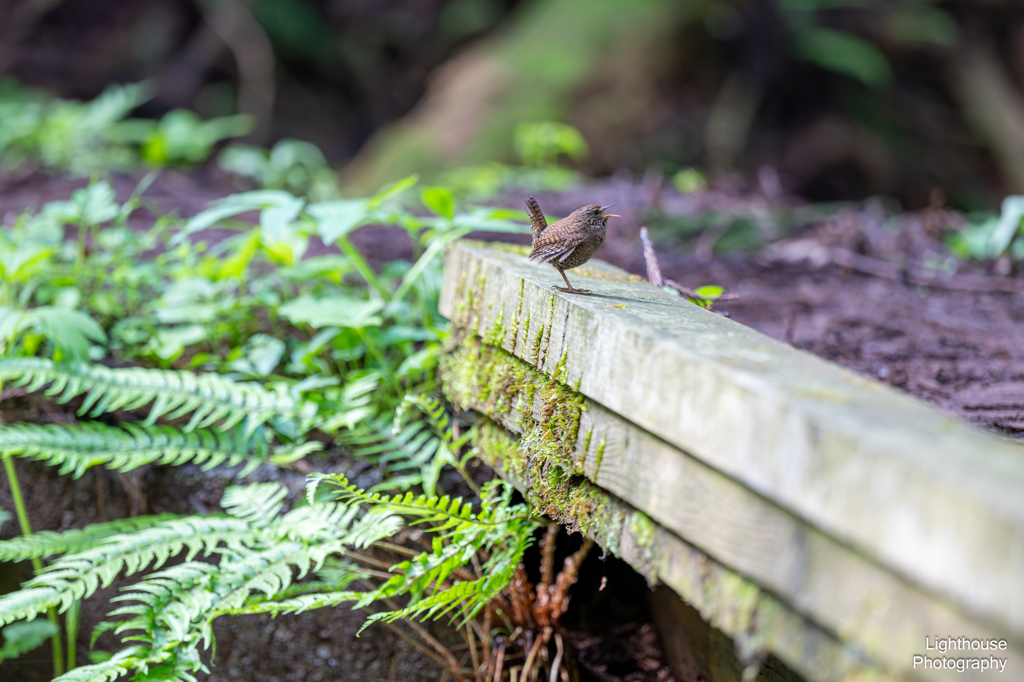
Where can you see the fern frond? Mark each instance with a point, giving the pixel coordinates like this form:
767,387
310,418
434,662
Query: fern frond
183,601
355,404
76,448
377,441
77,576
434,411
298,604
27,603
121,663
173,394
258,505
449,512
48,543
469,596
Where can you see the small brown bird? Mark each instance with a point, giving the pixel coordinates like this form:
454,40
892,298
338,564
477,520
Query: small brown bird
570,242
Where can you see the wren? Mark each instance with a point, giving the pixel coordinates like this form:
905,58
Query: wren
570,242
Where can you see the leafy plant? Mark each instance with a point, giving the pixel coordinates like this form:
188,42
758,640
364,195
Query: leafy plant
86,137
245,353
292,165
989,236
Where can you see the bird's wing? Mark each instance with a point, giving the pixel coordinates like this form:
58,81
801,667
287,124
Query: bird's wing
552,247
536,217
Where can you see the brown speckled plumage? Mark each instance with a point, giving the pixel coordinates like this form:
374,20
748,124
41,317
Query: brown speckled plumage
570,242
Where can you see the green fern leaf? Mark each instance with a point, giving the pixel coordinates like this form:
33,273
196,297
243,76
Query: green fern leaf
208,397
121,663
48,543
298,604
76,448
407,454
259,505
27,603
79,575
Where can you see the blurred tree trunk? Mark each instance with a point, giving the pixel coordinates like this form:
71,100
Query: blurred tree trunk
556,60
993,107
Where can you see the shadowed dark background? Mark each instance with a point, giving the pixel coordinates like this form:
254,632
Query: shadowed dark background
921,100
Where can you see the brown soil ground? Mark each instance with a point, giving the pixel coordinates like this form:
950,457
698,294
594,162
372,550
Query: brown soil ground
875,292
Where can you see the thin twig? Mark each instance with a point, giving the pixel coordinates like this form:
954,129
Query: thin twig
453,664
532,656
653,271
557,663
365,558
499,662
416,645
470,637
399,549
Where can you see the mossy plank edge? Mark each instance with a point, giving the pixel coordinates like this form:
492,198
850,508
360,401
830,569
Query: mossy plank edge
566,437
756,621
940,502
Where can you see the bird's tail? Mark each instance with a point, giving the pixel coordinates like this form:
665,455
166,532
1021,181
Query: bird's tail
537,220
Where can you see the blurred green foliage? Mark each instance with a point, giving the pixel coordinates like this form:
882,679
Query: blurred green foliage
989,236
540,146
292,165
916,22
87,137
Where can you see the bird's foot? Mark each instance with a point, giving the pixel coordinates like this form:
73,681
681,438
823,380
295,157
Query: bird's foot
573,290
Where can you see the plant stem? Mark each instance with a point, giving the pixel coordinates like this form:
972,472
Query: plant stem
80,256
71,620
375,352
37,563
364,269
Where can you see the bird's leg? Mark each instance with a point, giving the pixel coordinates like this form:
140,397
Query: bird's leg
570,289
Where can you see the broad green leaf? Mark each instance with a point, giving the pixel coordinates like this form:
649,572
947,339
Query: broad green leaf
70,331
275,219
332,311
20,262
235,264
287,249
709,291
392,190
235,204
169,343
335,219
439,200
264,353
20,638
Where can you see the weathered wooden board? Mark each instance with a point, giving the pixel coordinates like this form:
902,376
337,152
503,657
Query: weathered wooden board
812,574
754,618
913,491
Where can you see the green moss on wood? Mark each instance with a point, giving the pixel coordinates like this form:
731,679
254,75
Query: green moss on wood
546,415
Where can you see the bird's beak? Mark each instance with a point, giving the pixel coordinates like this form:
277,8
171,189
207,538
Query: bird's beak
610,215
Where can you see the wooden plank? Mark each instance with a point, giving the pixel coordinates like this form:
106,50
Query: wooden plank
813,574
753,618
914,490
